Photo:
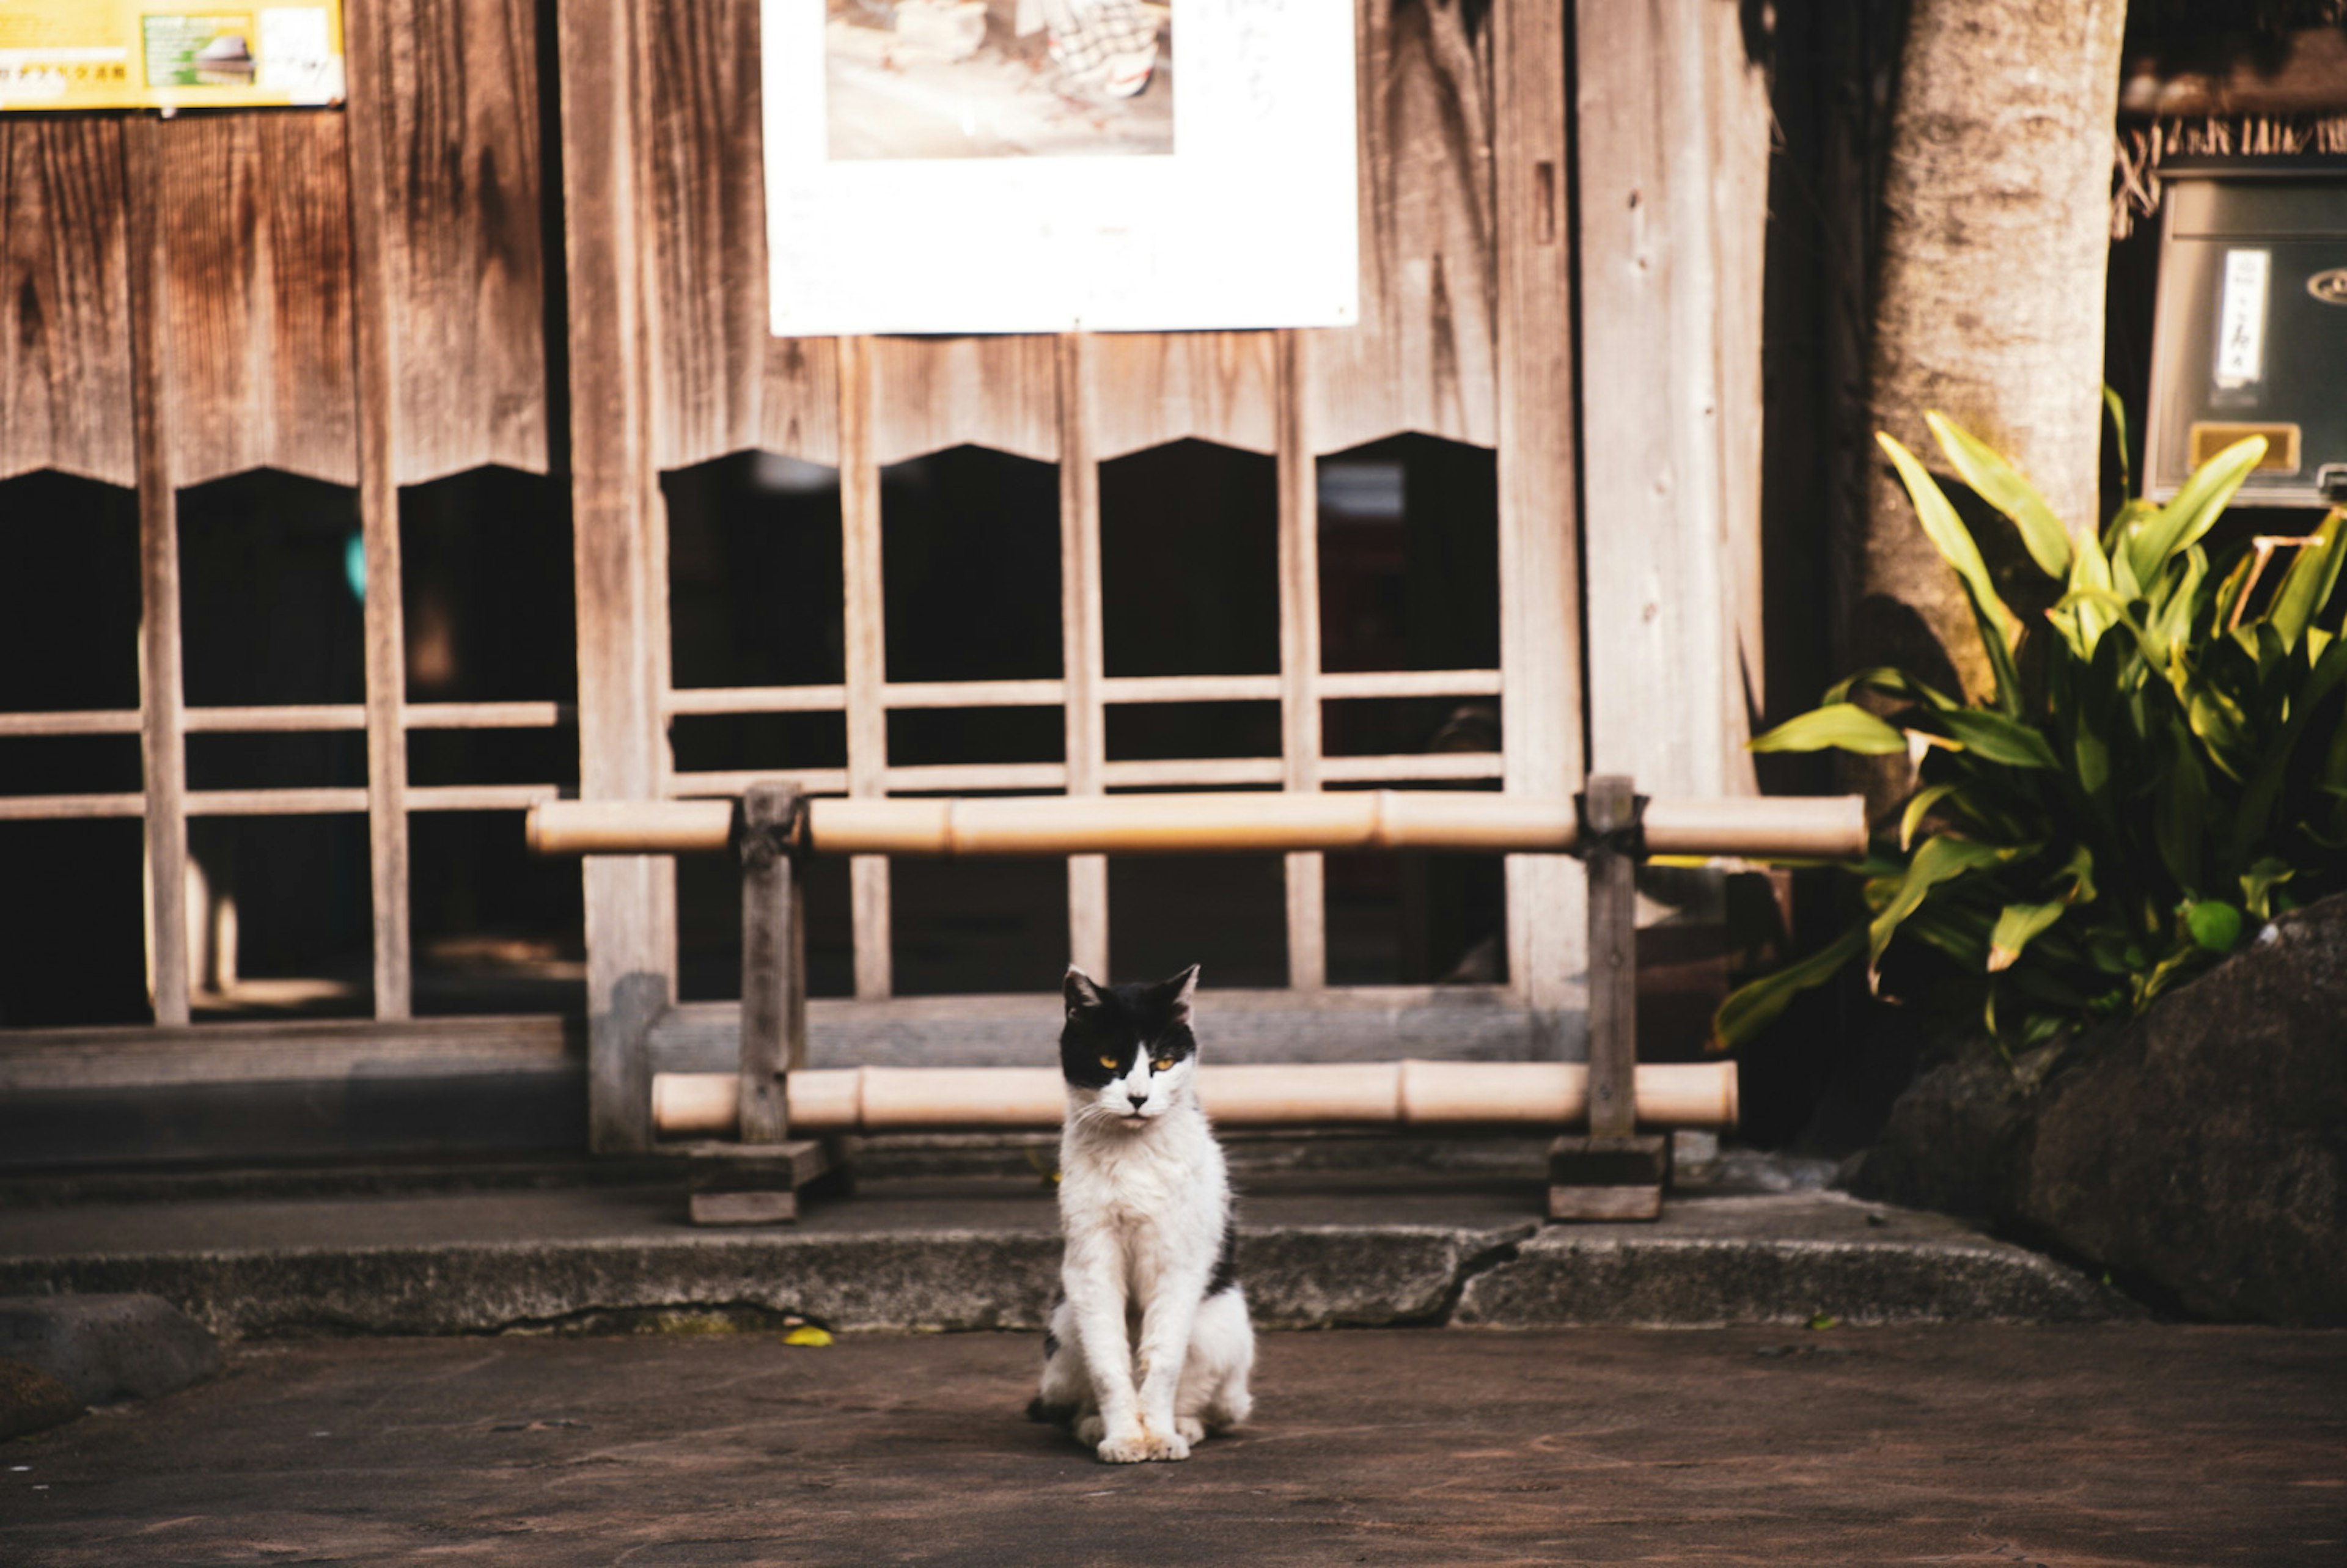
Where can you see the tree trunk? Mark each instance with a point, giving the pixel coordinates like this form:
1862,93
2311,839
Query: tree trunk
1995,244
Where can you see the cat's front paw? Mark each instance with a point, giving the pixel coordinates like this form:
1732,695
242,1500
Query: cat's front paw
1090,1431
1191,1428
1140,1445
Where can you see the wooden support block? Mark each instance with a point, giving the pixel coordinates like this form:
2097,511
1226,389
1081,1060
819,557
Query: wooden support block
753,1183
774,957
1608,1178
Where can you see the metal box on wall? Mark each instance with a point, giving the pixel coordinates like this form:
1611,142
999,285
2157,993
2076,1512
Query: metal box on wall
2251,333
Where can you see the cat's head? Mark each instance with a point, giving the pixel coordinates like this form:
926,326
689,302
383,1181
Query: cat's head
1127,1051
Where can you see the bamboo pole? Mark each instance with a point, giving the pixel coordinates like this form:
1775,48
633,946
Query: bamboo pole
1823,828
1536,1095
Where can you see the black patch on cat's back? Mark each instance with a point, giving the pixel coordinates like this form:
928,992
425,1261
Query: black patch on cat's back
1226,1262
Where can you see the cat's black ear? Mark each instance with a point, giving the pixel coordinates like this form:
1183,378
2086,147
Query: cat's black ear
1080,991
1177,992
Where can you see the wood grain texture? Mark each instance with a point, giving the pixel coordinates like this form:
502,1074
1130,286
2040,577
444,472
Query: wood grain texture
621,582
457,197
253,212
1081,658
373,115
1150,388
930,393
1422,356
65,302
1540,585
865,649
1667,163
1613,959
1299,654
162,743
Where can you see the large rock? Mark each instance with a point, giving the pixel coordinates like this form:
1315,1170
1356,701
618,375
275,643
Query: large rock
106,1347
2199,1152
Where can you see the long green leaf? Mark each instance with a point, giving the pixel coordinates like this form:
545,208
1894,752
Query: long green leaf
2307,585
1941,859
2180,809
1840,726
1948,536
1924,801
2196,507
1749,1009
2001,485
1989,734
2017,927
1892,683
2117,411
2253,817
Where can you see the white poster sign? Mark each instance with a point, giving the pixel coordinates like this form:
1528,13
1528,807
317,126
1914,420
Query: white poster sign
1012,165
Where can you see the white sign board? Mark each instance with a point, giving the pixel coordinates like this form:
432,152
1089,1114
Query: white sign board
1015,166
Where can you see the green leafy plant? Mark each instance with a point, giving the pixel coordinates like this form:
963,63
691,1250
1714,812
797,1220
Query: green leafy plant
2152,774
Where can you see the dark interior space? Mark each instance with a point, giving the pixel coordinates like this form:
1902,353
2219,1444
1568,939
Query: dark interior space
70,935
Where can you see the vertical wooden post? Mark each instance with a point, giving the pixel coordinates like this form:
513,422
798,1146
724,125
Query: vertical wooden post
622,608
162,740
1300,656
1614,1173
1540,585
774,957
757,1180
1674,138
376,344
866,653
1080,656
1610,816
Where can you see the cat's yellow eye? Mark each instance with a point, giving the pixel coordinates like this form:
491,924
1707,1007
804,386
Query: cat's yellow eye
1163,1064
1108,1061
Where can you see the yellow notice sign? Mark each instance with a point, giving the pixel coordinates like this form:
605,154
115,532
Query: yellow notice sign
169,53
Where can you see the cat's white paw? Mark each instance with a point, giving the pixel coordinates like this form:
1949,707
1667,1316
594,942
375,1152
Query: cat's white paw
1190,1429
1090,1431
1140,1445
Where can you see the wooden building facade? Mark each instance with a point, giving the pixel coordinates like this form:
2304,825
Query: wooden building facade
535,238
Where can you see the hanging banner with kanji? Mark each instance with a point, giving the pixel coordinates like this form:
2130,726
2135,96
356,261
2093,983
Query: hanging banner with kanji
169,53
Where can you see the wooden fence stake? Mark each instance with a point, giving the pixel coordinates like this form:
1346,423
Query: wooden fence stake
1612,1172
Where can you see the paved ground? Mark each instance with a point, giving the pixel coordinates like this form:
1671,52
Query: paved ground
2116,1444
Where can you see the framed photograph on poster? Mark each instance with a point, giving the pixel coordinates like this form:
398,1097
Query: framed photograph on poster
1015,166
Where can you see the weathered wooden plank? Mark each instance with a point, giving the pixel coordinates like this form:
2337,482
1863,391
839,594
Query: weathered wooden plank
162,745
1672,447
1422,356
34,1061
1612,957
774,961
1150,388
1080,655
620,580
1446,1023
253,213
65,301
865,650
1540,589
455,197
930,393
1299,654
370,48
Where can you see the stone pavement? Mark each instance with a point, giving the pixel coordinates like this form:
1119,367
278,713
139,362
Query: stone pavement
2106,1445
983,1252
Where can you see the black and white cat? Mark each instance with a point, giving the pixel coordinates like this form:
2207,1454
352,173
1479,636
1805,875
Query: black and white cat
1149,1347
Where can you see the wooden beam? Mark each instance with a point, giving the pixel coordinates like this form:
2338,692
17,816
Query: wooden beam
774,960
376,335
866,651
1540,535
1299,654
630,901
163,747
1081,655
1673,166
